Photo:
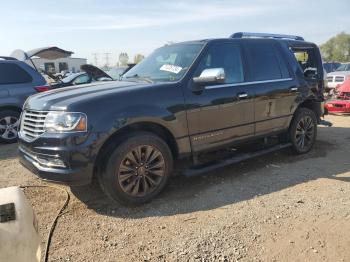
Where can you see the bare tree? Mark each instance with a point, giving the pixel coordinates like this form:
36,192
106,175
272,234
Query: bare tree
123,59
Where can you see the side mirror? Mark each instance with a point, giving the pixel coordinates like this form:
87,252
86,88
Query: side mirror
310,72
210,76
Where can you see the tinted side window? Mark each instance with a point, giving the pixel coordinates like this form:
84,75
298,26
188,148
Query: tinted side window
83,79
263,62
13,74
226,56
283,64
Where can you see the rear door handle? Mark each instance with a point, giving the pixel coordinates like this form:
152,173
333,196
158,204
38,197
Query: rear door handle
293,89
242,95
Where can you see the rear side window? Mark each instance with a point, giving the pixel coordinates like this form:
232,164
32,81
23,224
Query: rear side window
263,61
13,74
307,58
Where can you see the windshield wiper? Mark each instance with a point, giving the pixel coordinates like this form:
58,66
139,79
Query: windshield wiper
136,76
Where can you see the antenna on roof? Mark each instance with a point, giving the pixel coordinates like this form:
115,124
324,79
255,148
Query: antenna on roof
265,35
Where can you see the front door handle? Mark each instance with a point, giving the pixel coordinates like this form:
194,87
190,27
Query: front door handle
293,89
242,95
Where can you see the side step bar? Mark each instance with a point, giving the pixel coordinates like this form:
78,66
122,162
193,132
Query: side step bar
202,169
325,123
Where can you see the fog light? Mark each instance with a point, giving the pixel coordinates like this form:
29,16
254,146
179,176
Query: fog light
50,162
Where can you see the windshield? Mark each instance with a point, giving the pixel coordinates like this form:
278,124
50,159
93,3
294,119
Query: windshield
343,67
166,64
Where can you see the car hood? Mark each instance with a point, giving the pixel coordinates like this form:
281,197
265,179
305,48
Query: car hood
339,73
64,98
95,72
345,87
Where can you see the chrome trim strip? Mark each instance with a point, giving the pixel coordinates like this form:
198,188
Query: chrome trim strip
242,95
249,83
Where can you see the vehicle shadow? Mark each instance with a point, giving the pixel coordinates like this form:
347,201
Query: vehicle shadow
229,185
8,151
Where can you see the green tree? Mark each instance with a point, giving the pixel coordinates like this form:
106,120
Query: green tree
138,58
337,48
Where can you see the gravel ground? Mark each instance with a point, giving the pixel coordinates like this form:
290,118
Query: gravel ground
279,207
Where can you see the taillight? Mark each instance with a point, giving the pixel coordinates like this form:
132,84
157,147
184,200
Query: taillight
42,88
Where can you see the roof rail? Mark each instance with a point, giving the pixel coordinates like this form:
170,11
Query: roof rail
265,35
7,58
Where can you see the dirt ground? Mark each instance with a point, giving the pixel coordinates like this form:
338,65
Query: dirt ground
279,207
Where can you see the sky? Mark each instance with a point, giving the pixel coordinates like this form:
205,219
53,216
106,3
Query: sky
113,26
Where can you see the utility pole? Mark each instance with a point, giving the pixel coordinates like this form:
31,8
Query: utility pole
95,58
107,58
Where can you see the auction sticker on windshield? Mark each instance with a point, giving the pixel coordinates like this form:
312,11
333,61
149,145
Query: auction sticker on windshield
171,68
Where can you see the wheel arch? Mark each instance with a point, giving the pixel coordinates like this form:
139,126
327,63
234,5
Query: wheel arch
315,106
11,107
114,139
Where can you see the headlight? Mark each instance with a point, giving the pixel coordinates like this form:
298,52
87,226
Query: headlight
65,122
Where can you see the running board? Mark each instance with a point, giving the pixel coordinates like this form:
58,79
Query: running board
202,169
325,123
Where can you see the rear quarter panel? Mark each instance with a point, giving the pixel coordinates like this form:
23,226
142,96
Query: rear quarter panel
16,94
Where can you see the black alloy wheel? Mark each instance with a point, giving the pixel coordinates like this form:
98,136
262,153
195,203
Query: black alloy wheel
303,130
141,171
136,168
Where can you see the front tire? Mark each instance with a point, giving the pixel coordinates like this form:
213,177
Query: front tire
9,125
137,170
303,130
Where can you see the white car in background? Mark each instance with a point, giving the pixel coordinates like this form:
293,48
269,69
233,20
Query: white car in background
338,76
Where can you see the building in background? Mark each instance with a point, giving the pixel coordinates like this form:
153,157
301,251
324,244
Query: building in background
71,64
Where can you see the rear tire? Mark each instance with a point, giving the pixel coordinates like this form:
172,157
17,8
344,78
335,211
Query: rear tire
137,170
303,130
9,125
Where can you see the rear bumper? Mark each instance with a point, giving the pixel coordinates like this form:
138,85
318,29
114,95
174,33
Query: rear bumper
332,85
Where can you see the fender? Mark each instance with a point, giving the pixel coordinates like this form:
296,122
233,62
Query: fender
175,123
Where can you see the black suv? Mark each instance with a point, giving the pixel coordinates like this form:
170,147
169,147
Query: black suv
182,101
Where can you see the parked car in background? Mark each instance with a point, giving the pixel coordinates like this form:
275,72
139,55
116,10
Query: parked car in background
331,66
117,72
341,103
337,77
182,101
18,81
19,78
89,75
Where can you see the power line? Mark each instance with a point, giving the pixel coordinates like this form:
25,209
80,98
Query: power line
95,58
107,58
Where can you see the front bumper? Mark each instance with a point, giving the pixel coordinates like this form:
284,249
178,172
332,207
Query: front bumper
338,107
78,161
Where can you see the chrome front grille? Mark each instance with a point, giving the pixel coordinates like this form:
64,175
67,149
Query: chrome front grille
32,124
339,79
330,78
